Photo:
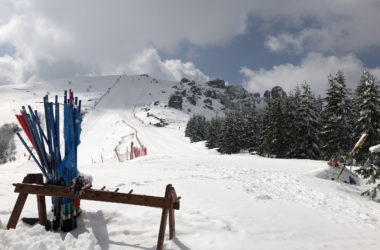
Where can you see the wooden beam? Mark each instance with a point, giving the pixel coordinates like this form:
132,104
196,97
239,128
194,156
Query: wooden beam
164,218
172,197
41,204
15,216
96,195
42,217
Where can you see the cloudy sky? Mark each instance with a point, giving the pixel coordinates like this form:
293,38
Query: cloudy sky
256,43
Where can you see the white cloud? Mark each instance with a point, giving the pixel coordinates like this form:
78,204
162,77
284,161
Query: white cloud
188,70
326,26
100,36
313,69
54,38
149,62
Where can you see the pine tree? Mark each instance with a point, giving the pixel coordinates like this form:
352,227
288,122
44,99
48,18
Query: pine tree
252,129
290,122
371,171
214,131
229,141
367,107
297,124
307,140
337,118
266,136
277,143
240,126
196,128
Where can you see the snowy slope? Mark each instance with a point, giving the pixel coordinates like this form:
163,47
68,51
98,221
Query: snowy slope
228,201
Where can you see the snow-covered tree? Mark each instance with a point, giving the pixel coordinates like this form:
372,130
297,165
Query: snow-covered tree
229,141
367,106
266,136
252,129
196,128
337,118
290,122
7,144
371,171
278,130
214,131
307,131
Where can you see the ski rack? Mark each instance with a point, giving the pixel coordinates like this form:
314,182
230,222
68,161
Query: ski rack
33,184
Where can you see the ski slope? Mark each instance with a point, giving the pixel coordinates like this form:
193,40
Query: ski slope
228,201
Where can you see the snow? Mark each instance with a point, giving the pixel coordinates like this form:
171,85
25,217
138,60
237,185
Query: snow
375,149
36,238
228,201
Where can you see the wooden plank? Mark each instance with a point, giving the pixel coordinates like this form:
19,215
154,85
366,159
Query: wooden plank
171,224
41,204
96,195
42,217
19,205
172,196
164,218
15,216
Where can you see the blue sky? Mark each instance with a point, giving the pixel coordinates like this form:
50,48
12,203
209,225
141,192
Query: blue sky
258,44
224,61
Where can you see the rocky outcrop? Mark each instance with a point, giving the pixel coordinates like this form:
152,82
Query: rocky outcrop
215,95
175,101
276,92
217,83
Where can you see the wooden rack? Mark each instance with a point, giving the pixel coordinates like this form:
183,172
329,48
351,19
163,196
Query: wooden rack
33,184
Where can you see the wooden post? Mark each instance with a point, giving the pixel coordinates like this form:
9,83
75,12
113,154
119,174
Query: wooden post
164,218
15,216
41,204
17,211
171,214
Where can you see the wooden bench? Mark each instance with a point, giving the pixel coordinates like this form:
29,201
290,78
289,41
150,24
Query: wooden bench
33,184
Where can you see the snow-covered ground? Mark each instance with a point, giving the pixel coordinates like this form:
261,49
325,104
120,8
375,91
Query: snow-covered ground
228,201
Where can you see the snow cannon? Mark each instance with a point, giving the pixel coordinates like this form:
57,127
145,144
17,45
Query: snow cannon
46,143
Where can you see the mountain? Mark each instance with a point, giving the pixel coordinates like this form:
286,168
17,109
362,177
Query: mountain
108,101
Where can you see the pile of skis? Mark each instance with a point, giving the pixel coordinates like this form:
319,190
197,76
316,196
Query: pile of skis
46,145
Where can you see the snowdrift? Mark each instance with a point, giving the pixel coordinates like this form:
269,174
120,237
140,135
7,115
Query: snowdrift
332,172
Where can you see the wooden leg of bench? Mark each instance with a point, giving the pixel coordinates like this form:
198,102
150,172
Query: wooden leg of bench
41,210
171,223
164,218
41,204
15,216
161,235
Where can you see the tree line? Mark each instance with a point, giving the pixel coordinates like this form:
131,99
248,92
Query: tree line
301,125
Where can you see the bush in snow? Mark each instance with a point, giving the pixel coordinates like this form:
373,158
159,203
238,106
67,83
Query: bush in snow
7,144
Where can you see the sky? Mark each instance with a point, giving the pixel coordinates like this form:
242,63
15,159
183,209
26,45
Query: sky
259,44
